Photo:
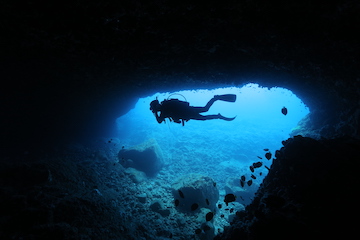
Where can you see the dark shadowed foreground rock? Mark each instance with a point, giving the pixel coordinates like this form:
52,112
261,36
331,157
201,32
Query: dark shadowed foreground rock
309,193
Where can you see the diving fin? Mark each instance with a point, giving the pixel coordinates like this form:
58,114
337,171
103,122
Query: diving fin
225,118
226,97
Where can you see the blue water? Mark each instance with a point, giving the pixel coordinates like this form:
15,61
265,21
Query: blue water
219,149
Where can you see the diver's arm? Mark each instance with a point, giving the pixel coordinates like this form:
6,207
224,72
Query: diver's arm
160,118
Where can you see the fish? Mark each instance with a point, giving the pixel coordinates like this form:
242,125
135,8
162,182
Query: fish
229,198
249,182
214,183
231,210
257,164
194,206
243,178
259,157
209,216
284,111
266,149
177,202
219,206
207,201
181,194
242,183
222,215
268,155
251,168
252,176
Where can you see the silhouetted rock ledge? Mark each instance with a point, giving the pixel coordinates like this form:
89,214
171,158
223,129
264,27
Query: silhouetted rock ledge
308,193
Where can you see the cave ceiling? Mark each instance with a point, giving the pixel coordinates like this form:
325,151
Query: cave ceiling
67,63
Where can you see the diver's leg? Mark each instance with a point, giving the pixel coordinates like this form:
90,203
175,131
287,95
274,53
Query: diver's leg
209,117
225,118
224,97
207,106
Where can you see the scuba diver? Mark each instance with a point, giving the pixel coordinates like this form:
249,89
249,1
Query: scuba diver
181,111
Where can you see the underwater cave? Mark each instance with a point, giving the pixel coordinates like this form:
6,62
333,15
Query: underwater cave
221,149
83,156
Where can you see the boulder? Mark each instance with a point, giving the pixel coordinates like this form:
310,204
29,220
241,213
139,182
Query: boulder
146,157
195,189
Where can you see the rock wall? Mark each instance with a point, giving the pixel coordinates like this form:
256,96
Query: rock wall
309,193
72,80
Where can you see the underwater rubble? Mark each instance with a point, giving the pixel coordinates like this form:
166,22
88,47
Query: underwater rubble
309,193
88,194
310,190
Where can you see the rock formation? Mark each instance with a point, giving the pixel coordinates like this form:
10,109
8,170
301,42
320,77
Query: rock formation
145,157
308,193
195,189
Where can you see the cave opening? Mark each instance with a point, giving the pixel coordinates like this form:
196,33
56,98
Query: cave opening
222,150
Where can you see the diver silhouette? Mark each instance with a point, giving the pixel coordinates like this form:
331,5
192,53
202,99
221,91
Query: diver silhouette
181,111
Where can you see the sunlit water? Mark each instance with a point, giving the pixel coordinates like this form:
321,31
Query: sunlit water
219,149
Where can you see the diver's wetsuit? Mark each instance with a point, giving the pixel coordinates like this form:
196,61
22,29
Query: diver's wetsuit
180,111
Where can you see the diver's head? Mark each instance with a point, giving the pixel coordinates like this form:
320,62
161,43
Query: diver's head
155,106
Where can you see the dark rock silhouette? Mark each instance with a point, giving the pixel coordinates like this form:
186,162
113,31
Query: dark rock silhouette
308,193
